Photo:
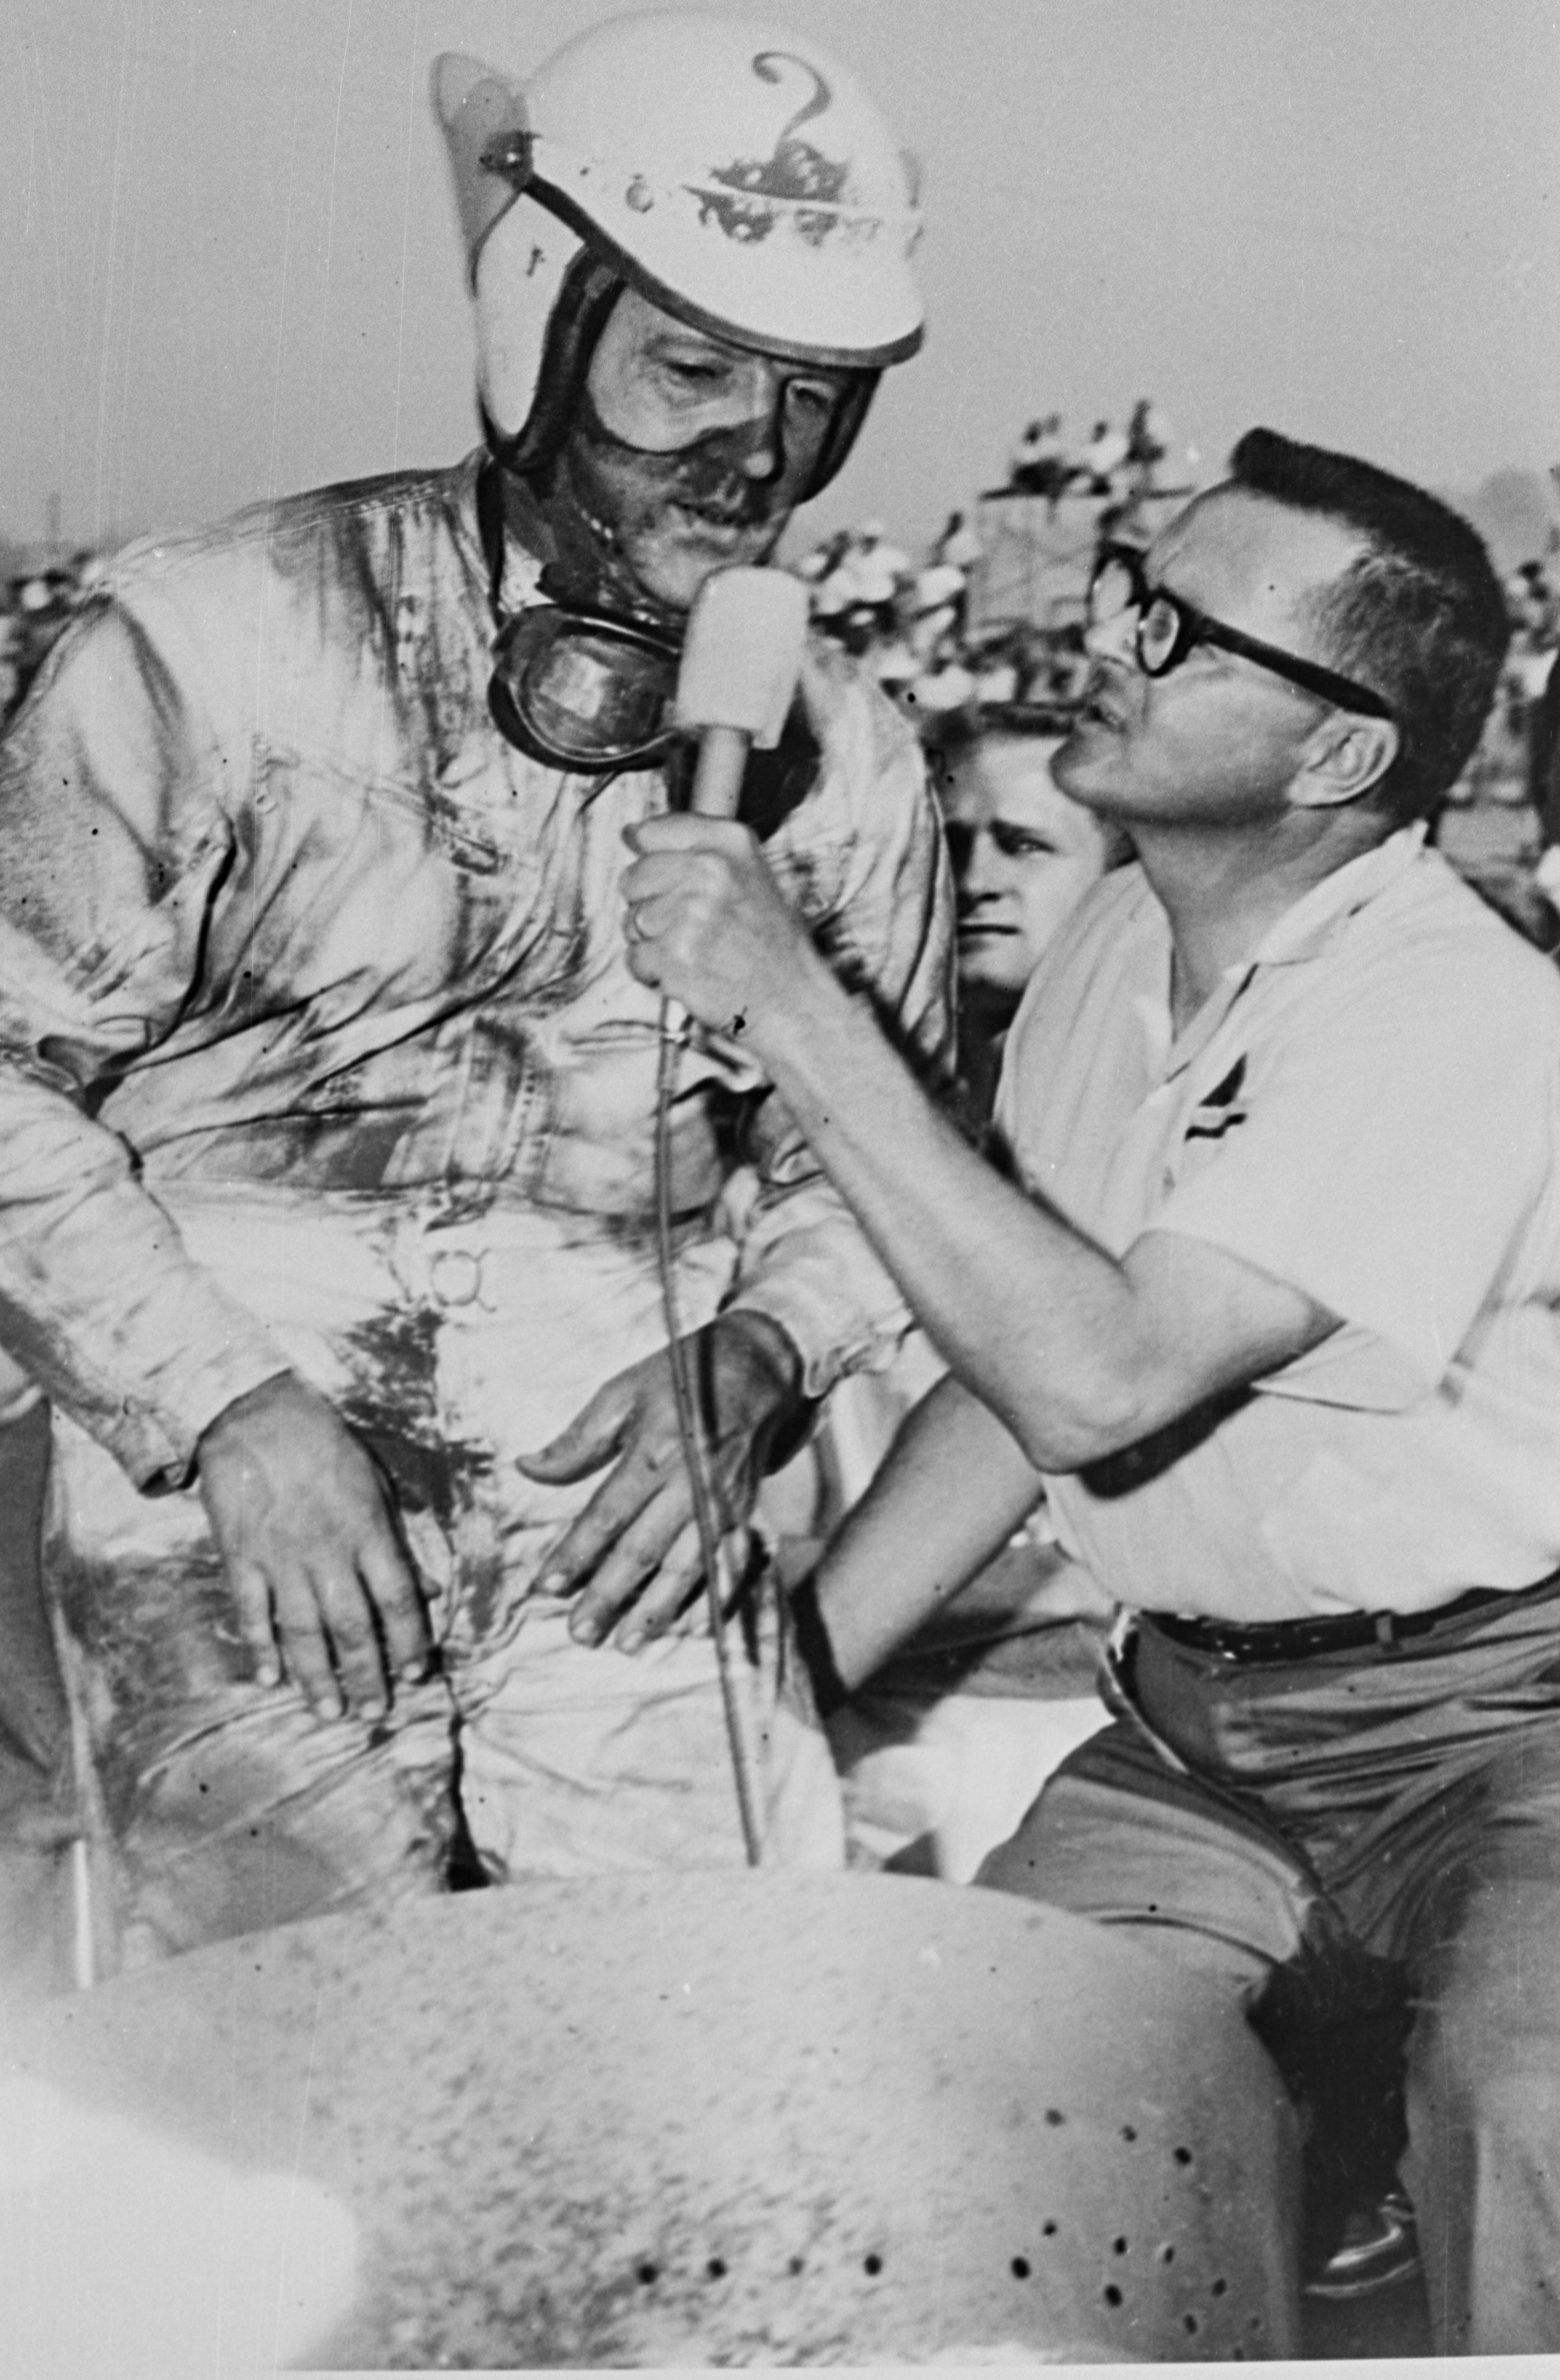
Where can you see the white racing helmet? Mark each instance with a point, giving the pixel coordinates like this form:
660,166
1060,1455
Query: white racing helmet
734,173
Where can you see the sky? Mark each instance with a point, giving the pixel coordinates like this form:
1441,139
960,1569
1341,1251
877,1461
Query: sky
228,262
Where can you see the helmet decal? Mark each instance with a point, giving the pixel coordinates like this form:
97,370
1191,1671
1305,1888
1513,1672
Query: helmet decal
796,171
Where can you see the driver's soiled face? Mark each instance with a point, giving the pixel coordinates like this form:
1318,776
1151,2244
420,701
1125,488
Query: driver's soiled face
690,453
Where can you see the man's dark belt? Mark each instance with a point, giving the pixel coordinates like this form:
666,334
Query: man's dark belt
1296,1640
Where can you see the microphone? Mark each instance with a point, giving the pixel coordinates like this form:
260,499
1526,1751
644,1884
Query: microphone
740,660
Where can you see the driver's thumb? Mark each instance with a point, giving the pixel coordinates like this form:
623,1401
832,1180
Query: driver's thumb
590,1440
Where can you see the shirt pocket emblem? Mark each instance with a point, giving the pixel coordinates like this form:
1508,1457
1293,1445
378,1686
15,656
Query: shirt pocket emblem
1220,1111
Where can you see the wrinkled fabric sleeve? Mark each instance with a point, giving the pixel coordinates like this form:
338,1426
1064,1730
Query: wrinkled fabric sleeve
804,1260
1392,1155
115,850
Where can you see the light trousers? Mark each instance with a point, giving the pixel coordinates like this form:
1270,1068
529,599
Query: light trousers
451,1346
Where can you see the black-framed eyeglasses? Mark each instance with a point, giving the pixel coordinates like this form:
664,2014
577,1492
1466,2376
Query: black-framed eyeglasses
1169,628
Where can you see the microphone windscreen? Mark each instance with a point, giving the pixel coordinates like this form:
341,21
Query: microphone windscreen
742,652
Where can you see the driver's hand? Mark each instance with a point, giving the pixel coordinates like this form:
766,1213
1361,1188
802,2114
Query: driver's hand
308,1533
634,1551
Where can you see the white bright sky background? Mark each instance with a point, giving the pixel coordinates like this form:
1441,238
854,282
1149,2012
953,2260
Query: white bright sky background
228,262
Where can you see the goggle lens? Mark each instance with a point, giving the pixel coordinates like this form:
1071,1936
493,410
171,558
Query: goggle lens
583,692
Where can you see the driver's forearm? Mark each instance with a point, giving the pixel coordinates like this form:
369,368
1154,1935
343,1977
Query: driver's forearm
115,1322
950,1493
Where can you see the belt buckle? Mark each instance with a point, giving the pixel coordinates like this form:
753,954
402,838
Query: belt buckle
1117,1686
454,1276
446,1277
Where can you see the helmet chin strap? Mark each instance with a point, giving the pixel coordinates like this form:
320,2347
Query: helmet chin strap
580,563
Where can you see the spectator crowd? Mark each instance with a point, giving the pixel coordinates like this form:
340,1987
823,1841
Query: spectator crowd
35,605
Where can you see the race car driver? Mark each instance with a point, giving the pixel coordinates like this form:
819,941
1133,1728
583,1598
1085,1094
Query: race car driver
326,1091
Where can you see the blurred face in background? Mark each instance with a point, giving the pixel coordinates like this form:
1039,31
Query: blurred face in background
1024,855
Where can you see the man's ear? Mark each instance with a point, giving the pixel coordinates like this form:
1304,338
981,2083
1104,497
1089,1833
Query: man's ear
1343,759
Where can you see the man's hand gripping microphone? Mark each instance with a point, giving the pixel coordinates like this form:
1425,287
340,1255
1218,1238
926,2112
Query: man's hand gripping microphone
740,660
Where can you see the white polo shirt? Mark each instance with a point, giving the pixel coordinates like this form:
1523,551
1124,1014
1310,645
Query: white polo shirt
1369,1109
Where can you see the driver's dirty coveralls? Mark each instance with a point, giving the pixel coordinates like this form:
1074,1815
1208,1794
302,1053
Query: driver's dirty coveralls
318,1048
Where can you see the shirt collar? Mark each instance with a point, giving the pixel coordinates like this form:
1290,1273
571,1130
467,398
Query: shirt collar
1303,929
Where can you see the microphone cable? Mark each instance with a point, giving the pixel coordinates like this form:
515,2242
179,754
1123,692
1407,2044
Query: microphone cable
695,1453
741,658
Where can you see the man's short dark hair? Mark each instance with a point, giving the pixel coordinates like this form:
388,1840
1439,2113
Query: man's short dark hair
1420,616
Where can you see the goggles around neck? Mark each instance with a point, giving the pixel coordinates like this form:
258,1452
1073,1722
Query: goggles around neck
575,686
582,690
592,693
1168,628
